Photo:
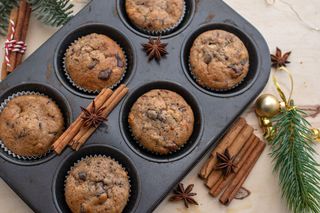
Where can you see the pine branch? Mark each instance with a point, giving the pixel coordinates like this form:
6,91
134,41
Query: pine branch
5,9
52,12
292,153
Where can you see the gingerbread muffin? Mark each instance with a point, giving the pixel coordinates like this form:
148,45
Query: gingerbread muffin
29,124
161,121
97,184
94,62
219,60
155,15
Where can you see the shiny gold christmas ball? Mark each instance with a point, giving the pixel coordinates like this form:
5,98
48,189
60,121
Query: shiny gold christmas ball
267,105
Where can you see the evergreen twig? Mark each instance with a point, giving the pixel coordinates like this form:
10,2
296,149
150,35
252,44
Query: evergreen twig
5,9
292,152
52,12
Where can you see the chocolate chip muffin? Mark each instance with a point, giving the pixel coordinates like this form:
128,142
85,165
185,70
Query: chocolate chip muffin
29,124
95,62
97,184
219,60
155,15
161,121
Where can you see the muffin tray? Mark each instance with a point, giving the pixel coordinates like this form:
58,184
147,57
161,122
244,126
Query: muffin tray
40,182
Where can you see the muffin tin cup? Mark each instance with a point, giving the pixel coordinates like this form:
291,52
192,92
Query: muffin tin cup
33,89
2,145
137,146
168,30
94,92
94,156
97,151
84,30
241,86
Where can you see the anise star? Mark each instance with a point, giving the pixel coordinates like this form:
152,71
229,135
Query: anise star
225,163
93,117
279,60
184,194
155,49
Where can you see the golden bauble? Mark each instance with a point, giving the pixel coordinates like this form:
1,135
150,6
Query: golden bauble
316,134
267,106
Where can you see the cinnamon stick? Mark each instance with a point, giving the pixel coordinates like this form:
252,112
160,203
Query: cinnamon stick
242,175
233,149
240,160
19,25
24,32
74,128
85,133
13,17
224,143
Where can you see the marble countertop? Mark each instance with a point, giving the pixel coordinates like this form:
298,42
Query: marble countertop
280,27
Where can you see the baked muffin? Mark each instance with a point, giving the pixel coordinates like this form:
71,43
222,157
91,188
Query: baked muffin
95,62
161,121
219,60
29,125
155,15
97,184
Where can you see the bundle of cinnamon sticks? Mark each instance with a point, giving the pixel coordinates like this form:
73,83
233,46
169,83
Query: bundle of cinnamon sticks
78,133
245,149
20,17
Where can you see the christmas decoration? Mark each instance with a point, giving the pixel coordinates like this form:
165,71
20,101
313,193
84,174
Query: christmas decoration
51,12
290,137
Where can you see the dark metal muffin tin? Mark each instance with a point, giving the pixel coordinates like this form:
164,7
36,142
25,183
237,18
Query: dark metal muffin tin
40,183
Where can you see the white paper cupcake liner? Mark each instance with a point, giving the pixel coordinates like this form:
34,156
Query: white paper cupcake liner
168,30
66,73
94,156
2,145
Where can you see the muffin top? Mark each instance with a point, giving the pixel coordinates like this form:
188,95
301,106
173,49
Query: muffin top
155,15
29,125
219,60
161,121
95,62
97,184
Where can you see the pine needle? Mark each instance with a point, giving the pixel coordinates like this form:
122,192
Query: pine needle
5,9
292,153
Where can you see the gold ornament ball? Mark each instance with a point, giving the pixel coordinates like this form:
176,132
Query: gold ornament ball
267,106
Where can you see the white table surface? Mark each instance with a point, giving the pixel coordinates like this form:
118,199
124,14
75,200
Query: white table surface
281,27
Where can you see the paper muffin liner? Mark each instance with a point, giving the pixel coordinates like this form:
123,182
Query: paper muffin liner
94,156
2,145
153,152
66,73
209,88
168,30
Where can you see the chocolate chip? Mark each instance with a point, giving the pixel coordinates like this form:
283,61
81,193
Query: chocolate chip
152,114
92,64
82,209
82,176
119,61
162,117
207,58
236,69
105,74
100,189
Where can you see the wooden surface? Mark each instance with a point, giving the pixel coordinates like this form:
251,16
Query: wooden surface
281,27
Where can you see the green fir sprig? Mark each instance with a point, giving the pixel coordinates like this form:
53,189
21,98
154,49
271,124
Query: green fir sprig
293,156
51,12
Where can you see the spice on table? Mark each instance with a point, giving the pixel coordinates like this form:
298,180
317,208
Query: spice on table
279,60
241,151
184,194
226,163
155,49
242,194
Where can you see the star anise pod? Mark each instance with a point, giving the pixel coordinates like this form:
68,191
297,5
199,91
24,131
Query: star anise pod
93,117
155,49
184,194
279,60
225,163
